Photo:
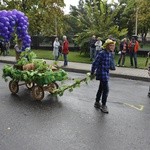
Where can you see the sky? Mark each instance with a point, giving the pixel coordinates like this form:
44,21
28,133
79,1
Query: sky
74,3
68,3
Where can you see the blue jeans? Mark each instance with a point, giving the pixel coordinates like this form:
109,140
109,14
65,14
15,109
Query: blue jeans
92,53
65,59
122,58
133,55
103,91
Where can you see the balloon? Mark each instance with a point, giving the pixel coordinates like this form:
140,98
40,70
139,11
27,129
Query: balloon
7,23
14,20
1,24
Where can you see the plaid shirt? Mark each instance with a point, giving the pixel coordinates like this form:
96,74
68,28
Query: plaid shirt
102,65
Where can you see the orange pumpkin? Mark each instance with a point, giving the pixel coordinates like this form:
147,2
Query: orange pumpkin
29,67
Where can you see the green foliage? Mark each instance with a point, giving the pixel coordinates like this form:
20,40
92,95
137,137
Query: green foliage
26,57
40,78
71,87
42,74
97,19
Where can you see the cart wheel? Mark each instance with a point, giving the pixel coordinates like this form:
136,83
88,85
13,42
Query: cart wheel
52,86
29,85
13,86
37,93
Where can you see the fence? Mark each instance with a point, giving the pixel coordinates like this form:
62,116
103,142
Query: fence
46,43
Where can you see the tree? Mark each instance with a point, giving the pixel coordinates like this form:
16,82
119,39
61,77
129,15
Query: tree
143,8
139,9
45,16
97,19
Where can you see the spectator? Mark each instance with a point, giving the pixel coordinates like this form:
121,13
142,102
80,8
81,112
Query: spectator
18,49
7,48
123,51
65,50
98,45
112,60
2,48
56,46
102,65
92,47
133,48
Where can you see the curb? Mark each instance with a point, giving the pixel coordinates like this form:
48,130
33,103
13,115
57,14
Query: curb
111,75
86,71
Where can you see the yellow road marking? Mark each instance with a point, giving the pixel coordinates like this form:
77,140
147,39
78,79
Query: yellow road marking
139,107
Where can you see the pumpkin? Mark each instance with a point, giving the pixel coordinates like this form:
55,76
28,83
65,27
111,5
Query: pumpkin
28,67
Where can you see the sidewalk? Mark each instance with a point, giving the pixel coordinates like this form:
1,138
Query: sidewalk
121,72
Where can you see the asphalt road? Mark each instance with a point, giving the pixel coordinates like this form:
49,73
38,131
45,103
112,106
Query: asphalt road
71,122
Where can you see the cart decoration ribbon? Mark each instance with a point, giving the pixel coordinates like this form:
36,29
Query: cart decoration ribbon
60,91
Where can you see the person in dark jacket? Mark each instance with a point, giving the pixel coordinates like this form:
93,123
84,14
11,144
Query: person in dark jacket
92,47
102,65
2,48
123,51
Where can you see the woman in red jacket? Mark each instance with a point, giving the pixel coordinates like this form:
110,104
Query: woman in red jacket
65,50
133,48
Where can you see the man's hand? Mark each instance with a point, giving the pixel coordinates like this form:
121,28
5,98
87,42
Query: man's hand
91,75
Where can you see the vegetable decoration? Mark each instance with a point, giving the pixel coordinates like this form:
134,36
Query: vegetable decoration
36,71
33,70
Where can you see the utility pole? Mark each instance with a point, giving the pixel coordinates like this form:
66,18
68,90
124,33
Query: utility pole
136,21
56,32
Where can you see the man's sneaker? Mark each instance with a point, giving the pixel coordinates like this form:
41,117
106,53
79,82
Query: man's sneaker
104,109
97,105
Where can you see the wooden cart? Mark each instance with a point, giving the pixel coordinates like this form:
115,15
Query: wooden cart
37,91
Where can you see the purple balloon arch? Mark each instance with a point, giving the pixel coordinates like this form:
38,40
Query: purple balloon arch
14,22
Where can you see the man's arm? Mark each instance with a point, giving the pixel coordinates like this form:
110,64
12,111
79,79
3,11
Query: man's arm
96,63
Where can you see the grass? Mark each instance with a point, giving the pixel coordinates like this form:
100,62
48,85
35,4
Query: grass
145,47
77,57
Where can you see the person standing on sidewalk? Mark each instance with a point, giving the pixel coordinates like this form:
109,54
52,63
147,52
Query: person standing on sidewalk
92,48
2,48
65,50
18,49
98,45
56,46
133,48
123,50
7,48
112,60
102,65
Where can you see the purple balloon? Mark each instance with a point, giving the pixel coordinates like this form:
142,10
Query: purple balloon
1,24
5,29
7,23
14,20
